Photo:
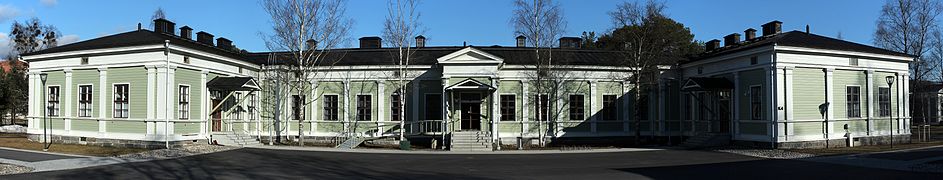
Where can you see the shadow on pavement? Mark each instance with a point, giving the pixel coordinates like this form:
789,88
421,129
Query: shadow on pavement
773,169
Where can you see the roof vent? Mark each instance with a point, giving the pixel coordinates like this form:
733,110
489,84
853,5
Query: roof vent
186,32
163,26
750,34
521,41
205,38
712,45
223,43
420,41
370,42
732,39
774,27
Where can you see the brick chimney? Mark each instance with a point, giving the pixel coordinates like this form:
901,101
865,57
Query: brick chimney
750,34
420,41
570,42
774,27
186,32
205,38
163,26
370,42
712,45
223,43
732,39
521,41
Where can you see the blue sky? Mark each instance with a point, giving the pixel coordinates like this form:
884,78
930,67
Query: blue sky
448,22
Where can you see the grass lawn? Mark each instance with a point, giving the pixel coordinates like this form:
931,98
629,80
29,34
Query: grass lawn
19,141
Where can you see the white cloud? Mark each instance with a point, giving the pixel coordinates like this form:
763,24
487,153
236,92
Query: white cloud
8,12
49,2
5,47
67,39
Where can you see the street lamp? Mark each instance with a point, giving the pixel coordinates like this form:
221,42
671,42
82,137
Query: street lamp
42,77
890,81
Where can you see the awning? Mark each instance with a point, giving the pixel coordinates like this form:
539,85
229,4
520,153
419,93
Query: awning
706,84
470,84
233,84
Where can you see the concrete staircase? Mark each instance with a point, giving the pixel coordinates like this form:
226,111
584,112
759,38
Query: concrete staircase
704,140
471,141
235,139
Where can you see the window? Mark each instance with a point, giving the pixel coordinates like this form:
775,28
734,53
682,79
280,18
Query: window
84,60
364,104
395,103
609,107
53,101
297,112
183,102
853,61
543,107
237,113
884,101
85,100
186,59
576,107
252,105
756,107
853,100
433,107
507,108
330,107
753,60
121,101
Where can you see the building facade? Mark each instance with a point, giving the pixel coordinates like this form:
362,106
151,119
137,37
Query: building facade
145,88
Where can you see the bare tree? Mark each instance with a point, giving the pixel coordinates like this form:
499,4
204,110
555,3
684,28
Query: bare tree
906,26
541,22
400,27
158,14
305,31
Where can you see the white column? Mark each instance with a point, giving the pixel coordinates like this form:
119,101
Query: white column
525,116
103,98
626,106
830,99
68,104
779,104
171,99
151,98
346,96
204,104
495,114
869,74
446,103
31,104
904,104
314,107
787,129
593,105
162,102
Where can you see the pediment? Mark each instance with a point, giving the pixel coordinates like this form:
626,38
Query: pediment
470,55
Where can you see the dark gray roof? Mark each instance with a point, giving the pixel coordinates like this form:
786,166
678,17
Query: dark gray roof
798,39
429,56
136,38
706,84
232,84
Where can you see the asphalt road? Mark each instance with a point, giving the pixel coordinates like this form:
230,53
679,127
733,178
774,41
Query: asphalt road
283,164
30,156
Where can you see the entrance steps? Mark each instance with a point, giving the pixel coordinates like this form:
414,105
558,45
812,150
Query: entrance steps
704,140
471,141
235,139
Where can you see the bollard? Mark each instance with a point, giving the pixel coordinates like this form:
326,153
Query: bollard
848,139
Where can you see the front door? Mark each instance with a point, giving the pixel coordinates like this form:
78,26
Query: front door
723,108
471,116
217,117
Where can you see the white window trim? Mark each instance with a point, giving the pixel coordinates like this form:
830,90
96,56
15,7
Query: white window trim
516,116
568,118
616,103
340,109
189,101
750,90
58,100
114,89
78,101
860,113
372,105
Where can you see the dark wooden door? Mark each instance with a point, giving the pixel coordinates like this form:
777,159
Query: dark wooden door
471,116
217,117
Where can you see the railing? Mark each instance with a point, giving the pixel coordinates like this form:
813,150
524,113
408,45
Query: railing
425,127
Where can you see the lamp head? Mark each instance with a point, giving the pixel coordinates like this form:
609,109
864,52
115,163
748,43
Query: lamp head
889,79
42,76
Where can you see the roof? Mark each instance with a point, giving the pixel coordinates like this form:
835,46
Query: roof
7,65
136,38
798,39
706,84
232,84
429,55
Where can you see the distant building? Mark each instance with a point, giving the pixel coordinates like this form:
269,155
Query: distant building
785,89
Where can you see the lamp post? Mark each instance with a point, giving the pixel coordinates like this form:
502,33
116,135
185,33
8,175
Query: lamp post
42,77
890,81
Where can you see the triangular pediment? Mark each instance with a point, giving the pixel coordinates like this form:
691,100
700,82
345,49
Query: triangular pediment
470,84
470,55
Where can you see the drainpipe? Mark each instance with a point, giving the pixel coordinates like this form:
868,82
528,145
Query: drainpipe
167,104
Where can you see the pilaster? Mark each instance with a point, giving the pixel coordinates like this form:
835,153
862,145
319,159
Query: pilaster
151,97
204,104
105,88
68,104
524,107
788,129
869,75
593,105
830,100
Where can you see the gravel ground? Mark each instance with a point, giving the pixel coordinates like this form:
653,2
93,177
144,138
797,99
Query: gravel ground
187,150
762,153
13,169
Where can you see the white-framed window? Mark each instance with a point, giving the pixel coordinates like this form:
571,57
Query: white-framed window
85,101
237,114
330,107
52,101
577,110
121,100
364,107
252,106
853,101
183,101
884,101
756,105
395,103
297,112
609,110
508,109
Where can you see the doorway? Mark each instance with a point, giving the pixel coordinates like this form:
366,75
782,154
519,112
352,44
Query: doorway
470,112
217,117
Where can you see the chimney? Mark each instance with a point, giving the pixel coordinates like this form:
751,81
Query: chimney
732,39
420,41
712,45
370,42
521,41
774,27
223,43
311,44
185,32
570,42
750,34
205,38
163,26
807,29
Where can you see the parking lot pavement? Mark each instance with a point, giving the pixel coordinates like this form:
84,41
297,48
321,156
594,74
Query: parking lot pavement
918,160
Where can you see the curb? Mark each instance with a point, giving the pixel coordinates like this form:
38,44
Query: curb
516,152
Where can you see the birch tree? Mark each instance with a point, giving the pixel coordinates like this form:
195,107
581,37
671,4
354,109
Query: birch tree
305,31
399,28
541,22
